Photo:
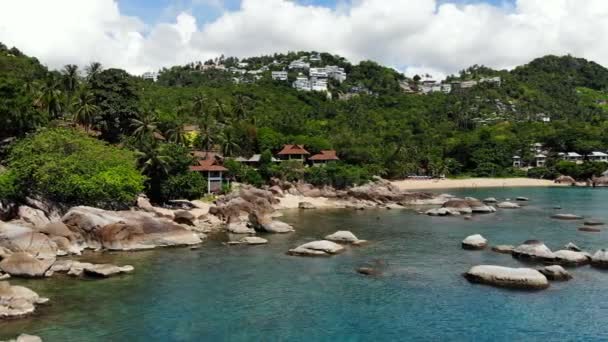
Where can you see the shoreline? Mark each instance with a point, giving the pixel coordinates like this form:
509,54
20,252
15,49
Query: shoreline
473,183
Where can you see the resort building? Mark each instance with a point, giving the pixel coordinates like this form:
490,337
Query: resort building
315,57
571,157
517,162
324,157
293,152
336,73
318,84
254,161
210,165
540,160
446,88
598,157
318,72
279,75
299,64
302,83
153,76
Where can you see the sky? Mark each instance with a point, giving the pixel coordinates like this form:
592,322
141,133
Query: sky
439,37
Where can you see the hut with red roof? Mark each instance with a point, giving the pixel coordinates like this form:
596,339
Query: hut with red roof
293,152
324,157
210,164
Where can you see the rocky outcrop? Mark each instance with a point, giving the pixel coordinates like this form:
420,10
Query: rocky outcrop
516,278
238,226
566,217
77,268
533,249
468,206
503,249
126,230
555,272
508,205
474,242
442,212
565,180
22,264
18,238
344,236
571,258
18,301
490,200
600,259
267,225
317,248
572,247
35,217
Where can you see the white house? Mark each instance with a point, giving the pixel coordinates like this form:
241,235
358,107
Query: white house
150,76
279,75
598,157
302,83
336,73
496,80
243,64
571,157
318,84
446,88
517,161
314,57
318,72
540,160
299,64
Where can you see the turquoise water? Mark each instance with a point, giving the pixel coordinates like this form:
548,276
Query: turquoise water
220,293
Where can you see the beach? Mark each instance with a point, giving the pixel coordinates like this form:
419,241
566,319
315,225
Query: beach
471,183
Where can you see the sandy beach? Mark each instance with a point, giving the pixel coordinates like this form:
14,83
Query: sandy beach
471,183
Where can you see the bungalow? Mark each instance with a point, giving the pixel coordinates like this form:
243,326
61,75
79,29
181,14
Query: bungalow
540,160
571,157
517,162
254,161
598,157
293,152
210,164
323,157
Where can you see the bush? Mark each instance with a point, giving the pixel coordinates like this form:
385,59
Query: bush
8,186
542,173
191,185
72,168
244,173
582,171
338,175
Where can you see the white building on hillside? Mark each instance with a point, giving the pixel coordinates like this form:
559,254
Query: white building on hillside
318,84
571,157
299,64
302,83
598,157
318,72
279,75
150,76
336,73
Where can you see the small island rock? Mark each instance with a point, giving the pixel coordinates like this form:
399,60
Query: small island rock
317,248
533,249
593,223
344,236
516,278
566,217
555,272
600,259
508,205
503,249
474,242
571,258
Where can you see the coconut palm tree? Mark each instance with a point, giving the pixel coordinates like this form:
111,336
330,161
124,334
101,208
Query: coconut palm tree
176,134
145,128
240,110
228,141
49,97
85,109
93,69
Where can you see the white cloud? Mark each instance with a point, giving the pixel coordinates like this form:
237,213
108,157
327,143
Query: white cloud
415,35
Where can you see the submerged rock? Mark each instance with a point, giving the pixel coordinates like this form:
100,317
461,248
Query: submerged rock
317,248
474,242
555,272
516,278
490,200
533,249
369,271
239,227
589,229
306,205
566,217
503,249
344,236
508,205
17,301
442,212
522,199
249,240
600,259
593,223
265,223
106,270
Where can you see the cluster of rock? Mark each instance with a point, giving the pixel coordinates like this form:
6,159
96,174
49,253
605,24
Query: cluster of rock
457,207
77,269
329,246
18,301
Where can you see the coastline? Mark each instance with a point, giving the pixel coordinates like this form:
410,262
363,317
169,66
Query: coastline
472,183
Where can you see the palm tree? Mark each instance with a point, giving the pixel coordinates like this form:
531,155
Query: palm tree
199,105
48,97
145,128
93,70
228,142
85,110
207,134
153,161
240,110
176,134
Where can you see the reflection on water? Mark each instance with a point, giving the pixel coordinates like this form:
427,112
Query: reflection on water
244,293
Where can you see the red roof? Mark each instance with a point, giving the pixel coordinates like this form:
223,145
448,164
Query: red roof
325,155
207,161
206,155
293,149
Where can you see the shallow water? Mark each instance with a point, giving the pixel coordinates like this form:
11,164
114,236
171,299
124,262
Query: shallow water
220,293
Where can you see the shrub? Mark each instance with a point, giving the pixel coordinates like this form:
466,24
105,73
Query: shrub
72,168
542,173
191,185
244,173
8,186
338,175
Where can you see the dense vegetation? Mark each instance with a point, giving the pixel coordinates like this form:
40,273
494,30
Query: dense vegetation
376,128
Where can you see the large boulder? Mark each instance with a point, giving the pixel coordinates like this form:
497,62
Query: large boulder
17,301
344,236
600,259
572,247
490,200
565,180
533,249
264,223
516,278
35,217
237,226
571,258
474,242
443,212
128,230
317,248
22,264
18,238
555,272
468,206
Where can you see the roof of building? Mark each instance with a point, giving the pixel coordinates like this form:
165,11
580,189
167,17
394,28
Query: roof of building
598,154
540,155
293,149
208,165
325,155
573,154
206,155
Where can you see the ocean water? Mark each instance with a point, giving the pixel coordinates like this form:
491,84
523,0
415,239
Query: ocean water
238,293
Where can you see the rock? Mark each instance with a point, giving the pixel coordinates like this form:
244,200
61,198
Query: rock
317,248
490,200
555,272
144,203
249,240
572,247
184,217
522,199
593,223
268,225
201,205
508,205
22,264
483,209
17,301
35,217
106,270
442,212
589,229
62,266
516,278
239,227
474,242
126,230
7,209
344,236
503,249
17,238
28,338
306,205
369,271
565,180
566,217
460,206
533,249
57,229
572,258
600,259
276,190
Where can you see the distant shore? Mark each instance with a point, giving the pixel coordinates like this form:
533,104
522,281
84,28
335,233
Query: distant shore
472,183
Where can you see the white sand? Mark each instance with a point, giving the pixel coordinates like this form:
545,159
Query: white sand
471,183
292,202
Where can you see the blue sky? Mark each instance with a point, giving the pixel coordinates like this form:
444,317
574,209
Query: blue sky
154,11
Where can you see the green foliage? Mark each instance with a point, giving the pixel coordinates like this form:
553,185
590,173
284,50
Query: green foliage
9,187
338,175
582,171
72,168
289,170
542,173
244,173
190,185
